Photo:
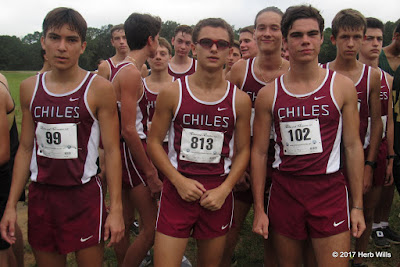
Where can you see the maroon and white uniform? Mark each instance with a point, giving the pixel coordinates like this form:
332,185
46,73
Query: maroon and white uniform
114,69
201,134
66,136
65,195
132,174
189,71
201,139
251,84
308,195
380,171
363,90
308,130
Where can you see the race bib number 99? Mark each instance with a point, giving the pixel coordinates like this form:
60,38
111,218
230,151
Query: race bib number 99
301,137
201,146
57,141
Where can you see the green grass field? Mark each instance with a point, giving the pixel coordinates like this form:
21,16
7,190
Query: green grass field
250,248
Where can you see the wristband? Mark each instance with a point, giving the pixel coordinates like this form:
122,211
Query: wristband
391,157
373,164
357,208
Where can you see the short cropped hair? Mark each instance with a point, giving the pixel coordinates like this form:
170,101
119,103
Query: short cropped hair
375,23
249,29
139,27
348,19
118,27
268,9
236,44
164,43
215,23
184,29
60,16
294,13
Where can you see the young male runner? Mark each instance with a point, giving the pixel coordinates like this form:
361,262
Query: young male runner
181,64
383,176
158,79
64,113
309,108
203,113
248,46
348,30
109,68
389,61
233,58
251,75
139,176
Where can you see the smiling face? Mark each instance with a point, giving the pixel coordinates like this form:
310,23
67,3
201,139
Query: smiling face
268,33
304,40
213,57
63,47
233,57
248,46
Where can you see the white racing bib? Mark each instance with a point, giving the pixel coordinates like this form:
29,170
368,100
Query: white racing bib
57,141
301,137
201,146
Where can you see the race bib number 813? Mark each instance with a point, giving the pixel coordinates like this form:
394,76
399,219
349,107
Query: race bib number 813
201,146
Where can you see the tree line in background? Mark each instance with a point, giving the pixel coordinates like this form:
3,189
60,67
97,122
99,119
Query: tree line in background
24,53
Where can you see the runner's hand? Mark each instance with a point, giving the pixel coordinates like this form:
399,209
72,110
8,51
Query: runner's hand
213,199
7,225
357,222
190,190
115,227
260,224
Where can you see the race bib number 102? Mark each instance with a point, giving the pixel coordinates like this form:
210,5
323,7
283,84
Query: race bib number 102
201,146
301,137
57,141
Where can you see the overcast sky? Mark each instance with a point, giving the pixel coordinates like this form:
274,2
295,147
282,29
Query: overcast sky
20,17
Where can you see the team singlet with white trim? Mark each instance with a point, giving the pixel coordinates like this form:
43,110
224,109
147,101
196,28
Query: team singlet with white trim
308,129
201,134
384,97
114,69
363,89
189,71
66,135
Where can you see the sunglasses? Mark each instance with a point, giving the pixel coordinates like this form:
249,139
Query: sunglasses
208,43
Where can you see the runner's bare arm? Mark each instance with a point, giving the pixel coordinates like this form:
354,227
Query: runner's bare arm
259,156
22,161
345,95
107,116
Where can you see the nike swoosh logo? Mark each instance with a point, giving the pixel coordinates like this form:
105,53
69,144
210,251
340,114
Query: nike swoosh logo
383,86
318,98
73,99
359,93
337,224
224,226
221,109
86,239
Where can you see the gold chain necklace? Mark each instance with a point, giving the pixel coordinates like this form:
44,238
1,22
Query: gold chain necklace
273,77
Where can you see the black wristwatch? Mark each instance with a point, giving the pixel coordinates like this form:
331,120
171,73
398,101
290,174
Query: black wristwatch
373,164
